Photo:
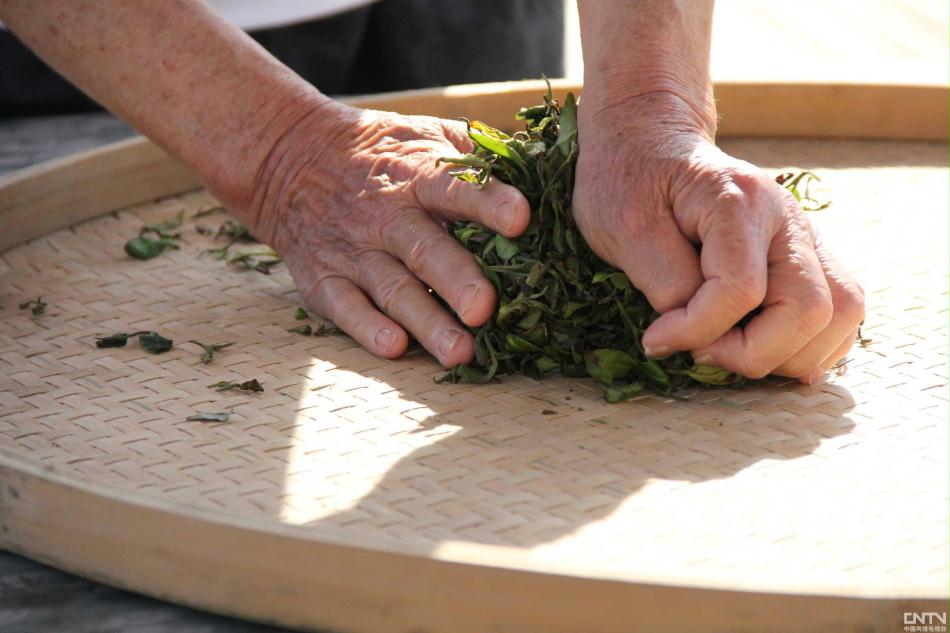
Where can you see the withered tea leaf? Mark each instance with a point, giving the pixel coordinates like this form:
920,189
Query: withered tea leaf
202,416
210,348
36,306
252,385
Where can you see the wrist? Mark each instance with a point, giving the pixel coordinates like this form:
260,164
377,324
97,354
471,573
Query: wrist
639,50
294,133
659,113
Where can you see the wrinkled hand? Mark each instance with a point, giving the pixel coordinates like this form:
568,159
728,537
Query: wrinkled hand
355,202
709,238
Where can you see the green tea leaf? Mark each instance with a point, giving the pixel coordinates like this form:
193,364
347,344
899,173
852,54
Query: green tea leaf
210,349
154,343
251,385
608,365
619,393
146,247
113,340
36,306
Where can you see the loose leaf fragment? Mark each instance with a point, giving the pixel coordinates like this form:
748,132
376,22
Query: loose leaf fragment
305,330
113,340
251,385
210,349
36,306
301,314
147,247
202,416
154,343
151,342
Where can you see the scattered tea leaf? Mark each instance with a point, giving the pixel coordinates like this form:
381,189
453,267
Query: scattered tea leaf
36,306
223,416
113,340
261,259
154,343
147,247
251,385
301,314
151,341
306,330
210,349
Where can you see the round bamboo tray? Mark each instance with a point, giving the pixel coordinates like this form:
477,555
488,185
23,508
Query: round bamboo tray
354,494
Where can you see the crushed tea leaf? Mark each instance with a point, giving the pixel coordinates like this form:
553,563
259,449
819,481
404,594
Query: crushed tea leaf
251,385
201,416
210,349
36,306
151,342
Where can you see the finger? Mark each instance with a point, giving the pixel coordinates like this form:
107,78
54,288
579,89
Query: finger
400,295
442,263
341,301
497,205
734,261
797,307
457,134
848,299
661,263
840,352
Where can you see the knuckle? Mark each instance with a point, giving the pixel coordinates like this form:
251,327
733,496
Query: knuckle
423,251
754,368
390,289
746,290
448,191
849,302
817,309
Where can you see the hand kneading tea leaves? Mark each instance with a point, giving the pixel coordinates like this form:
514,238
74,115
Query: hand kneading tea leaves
561,309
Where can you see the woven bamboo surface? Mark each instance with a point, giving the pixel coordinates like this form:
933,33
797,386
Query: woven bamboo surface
839,488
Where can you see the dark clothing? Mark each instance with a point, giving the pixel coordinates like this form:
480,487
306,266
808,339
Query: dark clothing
388,45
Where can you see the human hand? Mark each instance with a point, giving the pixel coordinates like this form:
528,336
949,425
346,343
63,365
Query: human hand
709,238
355,202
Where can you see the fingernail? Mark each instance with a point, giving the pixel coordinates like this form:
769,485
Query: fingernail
505,216
385,339
450,339
703,359
815,376
657,351
467,298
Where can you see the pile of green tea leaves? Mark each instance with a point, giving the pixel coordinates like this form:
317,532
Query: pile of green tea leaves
561,309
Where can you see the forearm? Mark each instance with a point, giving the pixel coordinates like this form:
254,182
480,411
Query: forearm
177,72
634,48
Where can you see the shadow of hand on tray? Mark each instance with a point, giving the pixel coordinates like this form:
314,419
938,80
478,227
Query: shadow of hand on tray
520,463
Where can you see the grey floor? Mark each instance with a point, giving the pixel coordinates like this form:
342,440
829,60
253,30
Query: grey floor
35,598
